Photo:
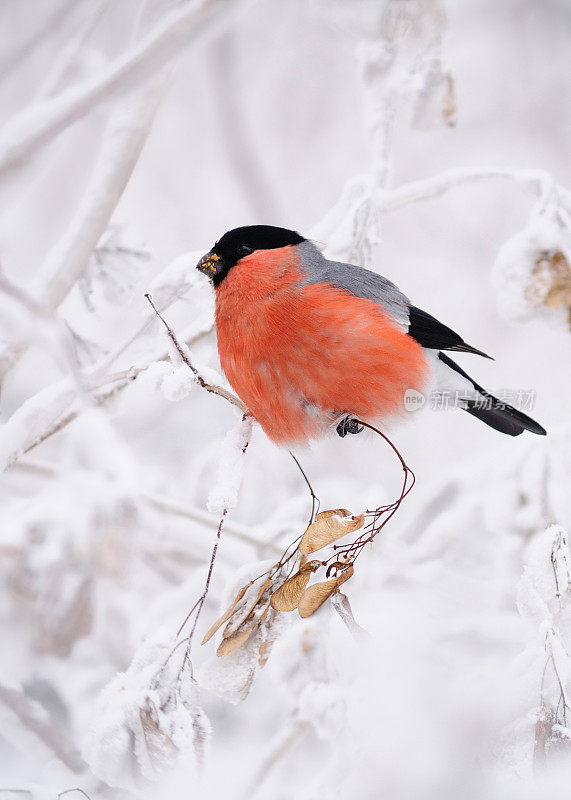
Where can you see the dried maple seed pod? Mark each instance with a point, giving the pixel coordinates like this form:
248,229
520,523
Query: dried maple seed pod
328,527
227,614
287,597
235,641
316,594
236,620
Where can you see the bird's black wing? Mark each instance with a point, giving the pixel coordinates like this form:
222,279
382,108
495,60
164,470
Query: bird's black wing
431,333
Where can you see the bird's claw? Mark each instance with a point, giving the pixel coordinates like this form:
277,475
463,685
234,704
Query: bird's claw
349,425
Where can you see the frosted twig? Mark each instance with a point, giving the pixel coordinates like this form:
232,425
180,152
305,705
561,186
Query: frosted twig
559,551
196,609
550,636
200,602
25,444
102,388
37,125
219,390
416,191
107,361
60,333
123,141
362,189
342,606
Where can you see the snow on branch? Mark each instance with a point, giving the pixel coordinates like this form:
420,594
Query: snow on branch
36,126
184,354
224,494
337,227
140,727
152,711
171,284
544,600
123,141
428,188
532,272
55,406
30,422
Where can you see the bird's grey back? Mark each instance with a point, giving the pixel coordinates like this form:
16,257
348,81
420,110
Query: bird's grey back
358,281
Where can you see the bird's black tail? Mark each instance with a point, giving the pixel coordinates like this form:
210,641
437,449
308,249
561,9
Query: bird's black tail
494,412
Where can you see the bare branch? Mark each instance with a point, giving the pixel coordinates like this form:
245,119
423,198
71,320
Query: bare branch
219,390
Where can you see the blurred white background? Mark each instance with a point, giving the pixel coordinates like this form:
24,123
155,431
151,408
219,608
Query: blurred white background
136,133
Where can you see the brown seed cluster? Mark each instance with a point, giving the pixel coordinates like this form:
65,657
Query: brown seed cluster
285,586
550,283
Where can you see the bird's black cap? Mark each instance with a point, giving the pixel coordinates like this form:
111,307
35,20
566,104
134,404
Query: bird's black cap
241,242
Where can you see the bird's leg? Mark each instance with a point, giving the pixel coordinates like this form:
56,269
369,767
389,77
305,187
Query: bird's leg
349,425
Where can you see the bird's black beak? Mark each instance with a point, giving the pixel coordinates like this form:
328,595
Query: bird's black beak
211,265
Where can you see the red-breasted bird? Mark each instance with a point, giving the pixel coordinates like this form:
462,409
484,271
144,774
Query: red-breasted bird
310,344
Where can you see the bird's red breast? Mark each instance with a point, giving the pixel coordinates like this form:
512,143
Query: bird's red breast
301,355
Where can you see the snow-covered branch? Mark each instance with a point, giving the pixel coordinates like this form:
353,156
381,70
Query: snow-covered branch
119,523
416,191
36,126
122,143
385,200
184,355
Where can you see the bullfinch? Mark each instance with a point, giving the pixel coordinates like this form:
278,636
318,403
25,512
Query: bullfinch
312,345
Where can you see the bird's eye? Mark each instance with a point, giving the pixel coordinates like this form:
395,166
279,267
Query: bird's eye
244,250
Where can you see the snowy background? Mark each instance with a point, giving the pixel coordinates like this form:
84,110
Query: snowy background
427,140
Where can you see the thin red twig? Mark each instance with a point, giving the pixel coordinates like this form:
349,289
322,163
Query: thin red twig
379,516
